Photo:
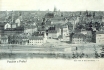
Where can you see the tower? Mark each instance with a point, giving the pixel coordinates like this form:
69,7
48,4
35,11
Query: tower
55,9
12,18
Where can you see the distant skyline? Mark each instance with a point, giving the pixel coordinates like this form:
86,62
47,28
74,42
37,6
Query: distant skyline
43,5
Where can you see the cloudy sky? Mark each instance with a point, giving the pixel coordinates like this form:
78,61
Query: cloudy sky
63,5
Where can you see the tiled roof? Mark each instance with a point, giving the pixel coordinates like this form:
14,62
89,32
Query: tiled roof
36,38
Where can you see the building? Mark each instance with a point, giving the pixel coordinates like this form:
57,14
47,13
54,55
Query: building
30,29
18,22
7,26
38,38
100,37
84,31
65,31
35,40
64,34
0,38
53,32
64,39
88,38
18,39
11,31
102,29
88,35
2,25
78,38
4,39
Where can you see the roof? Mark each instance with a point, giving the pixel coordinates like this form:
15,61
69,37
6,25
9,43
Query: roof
60,36
100,32
65,26
52,31
3,23
57,25
19,36
15,29
48,23
69,24
36,38
77,30
79,35
102,28
41,29
57,18
4,37
38,34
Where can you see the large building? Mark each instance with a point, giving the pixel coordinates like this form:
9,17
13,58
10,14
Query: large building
36,40
4,39
65,30
11,31
18,39
78,38
64,33
53,32
100,37
88,35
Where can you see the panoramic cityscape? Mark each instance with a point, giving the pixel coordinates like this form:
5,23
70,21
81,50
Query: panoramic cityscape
53,34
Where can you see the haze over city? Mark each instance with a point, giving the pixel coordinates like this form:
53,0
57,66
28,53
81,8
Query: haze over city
62,5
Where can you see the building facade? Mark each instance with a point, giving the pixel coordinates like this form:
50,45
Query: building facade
100,37
36,40
78,39
4,39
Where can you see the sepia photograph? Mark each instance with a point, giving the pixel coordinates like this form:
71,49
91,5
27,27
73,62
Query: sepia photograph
52,35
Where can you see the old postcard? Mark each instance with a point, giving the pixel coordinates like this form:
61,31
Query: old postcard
51,34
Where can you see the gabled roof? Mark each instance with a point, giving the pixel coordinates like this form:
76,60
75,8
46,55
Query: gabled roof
36,38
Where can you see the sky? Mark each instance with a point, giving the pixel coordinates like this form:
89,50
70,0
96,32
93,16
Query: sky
43,5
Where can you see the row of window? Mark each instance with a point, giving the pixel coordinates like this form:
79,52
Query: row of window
78,40
100,38
35,42
4,40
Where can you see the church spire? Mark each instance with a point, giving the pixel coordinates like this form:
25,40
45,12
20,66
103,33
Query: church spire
55,9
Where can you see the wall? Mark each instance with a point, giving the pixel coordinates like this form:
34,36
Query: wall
100,38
